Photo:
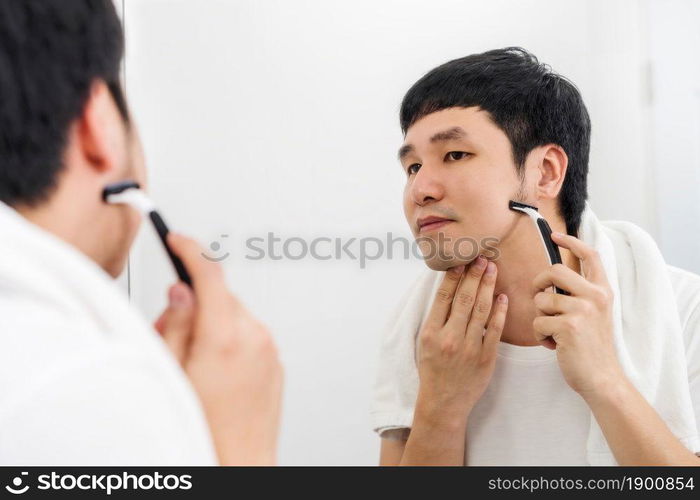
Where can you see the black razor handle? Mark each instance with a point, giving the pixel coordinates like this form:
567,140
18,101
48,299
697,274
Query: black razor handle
552,248
162,230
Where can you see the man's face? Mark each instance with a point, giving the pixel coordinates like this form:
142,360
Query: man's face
460,175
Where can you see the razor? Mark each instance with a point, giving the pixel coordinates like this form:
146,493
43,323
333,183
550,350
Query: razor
544,231
130,193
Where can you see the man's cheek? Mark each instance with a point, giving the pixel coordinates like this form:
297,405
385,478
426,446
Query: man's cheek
408,214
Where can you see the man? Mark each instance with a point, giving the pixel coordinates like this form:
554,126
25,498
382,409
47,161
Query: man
83,379
482,364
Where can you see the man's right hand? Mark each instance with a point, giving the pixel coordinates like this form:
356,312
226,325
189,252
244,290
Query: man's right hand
456,353
456,348
229,357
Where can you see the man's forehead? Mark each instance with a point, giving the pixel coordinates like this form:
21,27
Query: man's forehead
464,118
434,131
445,125
449,134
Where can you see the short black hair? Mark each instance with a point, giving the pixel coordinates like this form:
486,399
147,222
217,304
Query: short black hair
532,104
51,52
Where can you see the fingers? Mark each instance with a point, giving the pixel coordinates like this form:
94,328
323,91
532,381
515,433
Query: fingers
207,277
563,277
495,327
482,306
465,296
592,265
551,326
442,304
175,324
554,303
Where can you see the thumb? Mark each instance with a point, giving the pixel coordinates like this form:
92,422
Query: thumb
175,324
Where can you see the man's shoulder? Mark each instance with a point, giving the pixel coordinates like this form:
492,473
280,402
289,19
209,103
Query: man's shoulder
46,347
686,287
36,334
687,281
116,393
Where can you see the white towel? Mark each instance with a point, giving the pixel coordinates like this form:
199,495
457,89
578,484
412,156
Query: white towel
647,333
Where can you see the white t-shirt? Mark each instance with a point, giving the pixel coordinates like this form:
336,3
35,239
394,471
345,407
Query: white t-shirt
528,415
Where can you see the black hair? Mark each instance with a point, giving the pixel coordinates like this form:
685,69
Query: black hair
532,104
51,52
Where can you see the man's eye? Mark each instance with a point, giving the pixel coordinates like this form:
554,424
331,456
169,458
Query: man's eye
413,169
456,155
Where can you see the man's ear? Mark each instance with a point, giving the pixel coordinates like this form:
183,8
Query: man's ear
100,131
552,166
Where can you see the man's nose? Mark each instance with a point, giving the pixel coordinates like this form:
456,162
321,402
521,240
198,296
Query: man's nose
427,186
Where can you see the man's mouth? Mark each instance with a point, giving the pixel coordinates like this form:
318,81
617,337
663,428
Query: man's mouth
432,223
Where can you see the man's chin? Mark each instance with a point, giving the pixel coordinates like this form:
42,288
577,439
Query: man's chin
116,262
115,268
444,264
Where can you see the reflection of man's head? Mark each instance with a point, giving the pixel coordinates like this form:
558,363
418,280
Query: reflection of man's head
64,125
480,131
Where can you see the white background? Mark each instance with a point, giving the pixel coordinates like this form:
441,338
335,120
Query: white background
270,115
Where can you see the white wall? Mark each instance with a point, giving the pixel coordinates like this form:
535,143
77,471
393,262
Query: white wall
674,45
270,115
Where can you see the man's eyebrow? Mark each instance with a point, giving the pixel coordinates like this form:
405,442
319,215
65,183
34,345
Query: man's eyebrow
448,135
405,150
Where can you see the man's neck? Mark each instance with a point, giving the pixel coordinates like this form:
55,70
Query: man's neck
66,220
521,258
49,218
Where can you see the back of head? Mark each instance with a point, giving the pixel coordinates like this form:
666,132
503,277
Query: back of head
50,54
